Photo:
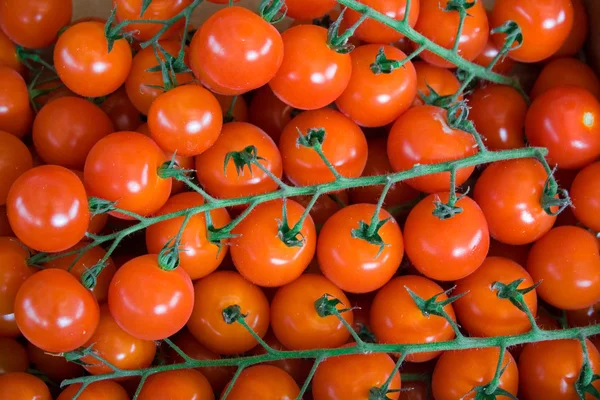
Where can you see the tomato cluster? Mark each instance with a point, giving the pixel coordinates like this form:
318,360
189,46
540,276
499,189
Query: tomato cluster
172,196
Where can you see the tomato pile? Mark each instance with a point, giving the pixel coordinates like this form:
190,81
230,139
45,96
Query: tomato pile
364,203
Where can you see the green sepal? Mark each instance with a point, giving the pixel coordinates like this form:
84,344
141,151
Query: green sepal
362,232
242,158
326,306
432,306
233,314
512,293
99,206
513,34
336,41
314,137
290,236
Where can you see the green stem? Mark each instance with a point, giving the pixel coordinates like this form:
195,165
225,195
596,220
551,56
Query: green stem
375,218
493,385
270,174
237,374
319,149
461,24
311,374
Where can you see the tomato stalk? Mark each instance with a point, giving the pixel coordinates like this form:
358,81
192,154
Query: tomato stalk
337,42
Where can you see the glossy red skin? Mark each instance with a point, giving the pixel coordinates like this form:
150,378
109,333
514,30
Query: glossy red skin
498,113
450,249
16,115
54,367
8,55
566,72
503,66
123,167
98,221
13,271
456,373
567,260
264,382
120,110
297,368
66,129
98,390
545,25
52,296
8,326
13,357
15,159
442,80
158,9
308,9
375,100
441,27
177,385
325,207
345,146
312,75
34,24
579,32
584,317
295,321
235,51
84,64
509,194
371,31
269,113
64,218
395,317
585,194
260,255
19,385
406,147
215,293
541,376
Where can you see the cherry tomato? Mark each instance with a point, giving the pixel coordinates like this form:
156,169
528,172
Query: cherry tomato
310,81
34,24
84,64
162,308
297,368
406,147
584,317
226,182
123,167
49,89
456,373
97,221
235,51
48,209
158,9
240,108
343,144
294,318
121,111
395,318
99,390
269,113
325,207
545,25
372,99
13,357
16,115
264,382
579,32
19,385
66,129
308,9
372,31
498,112
585,194
55,367
503,66
15,159
441,26
177,385
549,370
8,55
442,80
13,271
8,326
566,72
509,194
567,261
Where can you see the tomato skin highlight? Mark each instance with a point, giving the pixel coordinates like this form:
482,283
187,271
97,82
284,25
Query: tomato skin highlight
16,115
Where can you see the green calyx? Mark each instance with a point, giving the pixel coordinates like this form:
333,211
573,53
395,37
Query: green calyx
370,233
291,236
365,334
513,35
326,306
383,65
434,98
339,43
448,210
169,67
512,293
554,196
89,277
170,169
432,306
314,137
100,206
459,5
233,314
168,257
272,11
241,159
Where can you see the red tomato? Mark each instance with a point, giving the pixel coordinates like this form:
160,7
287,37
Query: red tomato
456,373
585,194
99,390
214,294
344,145
264,382
177,385
158,311
16,115
66,129
313,80
158,9
498,112
567,261
8,55
579,32
446,249
15,159
545,25
297,368
377,99
259,251
225,182
98,221
442,80
566,72
308,9
372,31
13,271
55,367
395,318
49,90
584,317
120,110
406,147
269,113
48,209
123,167
93,71
517,254
325,207
441,27
509,194
55,312
13,357
19,385
34,24
235,51
8,326
240,108
295,321
503,66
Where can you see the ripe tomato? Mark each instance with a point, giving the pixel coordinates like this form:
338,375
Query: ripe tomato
123,167
395,318
13,357
509,194
214,294
498,112
34,24
374,100
93,71
441,27
578,33
585,194
544,24
8,55
297,368
225,182
481,312
55,367
98,221
260,252
158,9
269,113
446,249
66,129
13,271
456,373
49,90
503,66
120,110
549,370
181,384
295,321
16,115
264,382
372,31
344,145
158,311
406,147
442,80
584,317
99,390
235,51
48,209
325,207
310,81
353,377
240,108
308,9
566,72
15,159
45,301
8,326
567,261
19,385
